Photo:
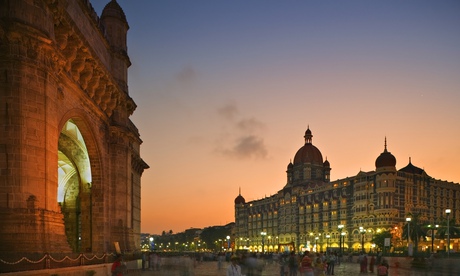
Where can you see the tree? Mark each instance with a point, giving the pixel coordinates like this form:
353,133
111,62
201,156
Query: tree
416,228
379,239
454,230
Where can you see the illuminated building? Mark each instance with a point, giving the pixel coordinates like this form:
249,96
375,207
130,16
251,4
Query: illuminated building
310,207
70,165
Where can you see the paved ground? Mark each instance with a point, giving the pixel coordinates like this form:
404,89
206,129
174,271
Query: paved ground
344,269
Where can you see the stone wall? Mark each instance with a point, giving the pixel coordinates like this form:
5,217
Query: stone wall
56,65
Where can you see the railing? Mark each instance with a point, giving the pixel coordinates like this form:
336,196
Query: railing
35,261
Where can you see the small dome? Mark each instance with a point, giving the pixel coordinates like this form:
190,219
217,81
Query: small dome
385,159
113,9
290,166
240,200
326,163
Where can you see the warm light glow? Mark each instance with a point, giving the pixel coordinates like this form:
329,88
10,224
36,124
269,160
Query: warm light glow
447,211
201,118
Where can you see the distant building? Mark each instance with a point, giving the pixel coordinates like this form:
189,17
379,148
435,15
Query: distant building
307,212
70,165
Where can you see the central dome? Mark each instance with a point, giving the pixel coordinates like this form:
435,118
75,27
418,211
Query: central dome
308,153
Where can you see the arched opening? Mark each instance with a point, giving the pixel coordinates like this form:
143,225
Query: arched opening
74,187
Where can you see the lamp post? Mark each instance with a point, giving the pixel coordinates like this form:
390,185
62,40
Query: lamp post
448,232
151,243
362,231
327,242
263,234
343,241
316,243
432,235
408,236
408,230
228,243
340,237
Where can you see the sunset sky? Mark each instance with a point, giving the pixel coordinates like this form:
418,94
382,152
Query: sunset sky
226,89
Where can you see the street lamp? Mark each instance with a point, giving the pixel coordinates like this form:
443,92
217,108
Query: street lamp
432,235
263,234
228,243
327,242
363,231
448,232
316,243
151,243
340,238
343,241
408,230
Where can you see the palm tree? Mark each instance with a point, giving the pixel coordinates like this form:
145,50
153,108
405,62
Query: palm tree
454,230
416,229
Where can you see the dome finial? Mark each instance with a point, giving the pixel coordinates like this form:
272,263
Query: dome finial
385,150
308,136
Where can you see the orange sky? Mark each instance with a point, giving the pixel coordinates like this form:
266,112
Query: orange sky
226,90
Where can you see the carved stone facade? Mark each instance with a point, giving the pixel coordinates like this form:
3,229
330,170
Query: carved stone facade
70,165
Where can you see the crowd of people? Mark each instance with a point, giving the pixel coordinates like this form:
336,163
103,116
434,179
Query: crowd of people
253,263
305,264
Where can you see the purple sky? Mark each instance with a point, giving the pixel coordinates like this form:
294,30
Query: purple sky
226,89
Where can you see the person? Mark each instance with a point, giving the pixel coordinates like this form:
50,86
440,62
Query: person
372,264
363,264
382,269
234,269
331,263
306,267
117,266
293,264
320,266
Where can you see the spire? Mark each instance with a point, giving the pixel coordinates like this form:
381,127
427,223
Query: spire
308,136
385,144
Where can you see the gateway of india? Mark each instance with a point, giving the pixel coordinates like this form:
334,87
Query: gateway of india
313,213
70,166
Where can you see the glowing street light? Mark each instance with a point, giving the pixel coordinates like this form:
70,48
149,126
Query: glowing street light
263,234
340,237
448,232
363,231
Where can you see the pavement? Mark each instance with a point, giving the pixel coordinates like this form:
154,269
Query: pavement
210,268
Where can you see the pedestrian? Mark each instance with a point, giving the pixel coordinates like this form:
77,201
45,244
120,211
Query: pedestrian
234,269
382,270
293,264
331,263
283,261
372,264
118,267
363,264
306,266
320,266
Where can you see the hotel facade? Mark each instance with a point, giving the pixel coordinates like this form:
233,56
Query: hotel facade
313,213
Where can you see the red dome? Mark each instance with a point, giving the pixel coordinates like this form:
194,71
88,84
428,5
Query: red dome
308,154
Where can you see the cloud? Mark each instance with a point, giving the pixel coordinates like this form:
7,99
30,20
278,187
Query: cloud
228,111
240,137
186,75
247,147
250,125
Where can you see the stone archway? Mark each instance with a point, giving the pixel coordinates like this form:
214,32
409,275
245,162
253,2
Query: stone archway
74,186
